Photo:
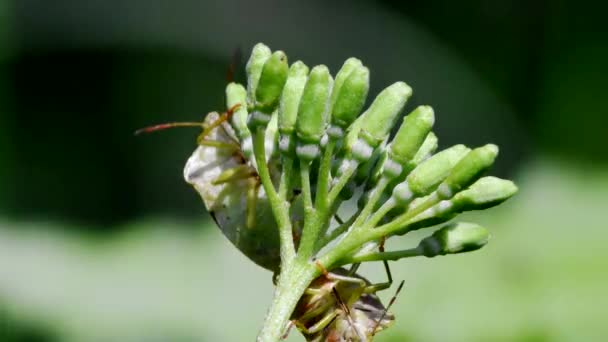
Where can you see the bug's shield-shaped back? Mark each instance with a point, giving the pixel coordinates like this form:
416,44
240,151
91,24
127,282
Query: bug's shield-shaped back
227,202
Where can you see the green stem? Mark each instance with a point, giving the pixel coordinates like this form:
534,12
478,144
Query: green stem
379,256
306,192
373,199
389,228
279,208
380,213
286,175
342,180
339,230
321,200
292,283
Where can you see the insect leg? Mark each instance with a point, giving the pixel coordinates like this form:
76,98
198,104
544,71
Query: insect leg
381,286
218,144
223,118
334,276
390,303
320,325
236,173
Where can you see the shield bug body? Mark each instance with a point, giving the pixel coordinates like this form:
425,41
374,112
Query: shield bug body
342,306
229,186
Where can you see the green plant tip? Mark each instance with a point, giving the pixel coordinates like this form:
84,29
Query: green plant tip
412,134
272,80
259,55
427,176
380,118
276,171
468,170
312,113
485,193
455,238
290,99
348,96
236,94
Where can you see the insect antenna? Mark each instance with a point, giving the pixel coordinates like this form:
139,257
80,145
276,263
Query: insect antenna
206,128
160,127
390,303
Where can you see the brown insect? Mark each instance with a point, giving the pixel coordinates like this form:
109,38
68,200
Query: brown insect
343,306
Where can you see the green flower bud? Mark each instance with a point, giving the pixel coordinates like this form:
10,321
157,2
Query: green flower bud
428,147
485,193
272,80
347,68
290,100
468,170
427,176
259,56
312,112
349,98
236,94
411,134
454,238
380,118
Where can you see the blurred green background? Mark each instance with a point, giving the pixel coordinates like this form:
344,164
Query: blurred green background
102,240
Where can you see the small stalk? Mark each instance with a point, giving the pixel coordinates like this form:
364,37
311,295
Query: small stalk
292,283
279,209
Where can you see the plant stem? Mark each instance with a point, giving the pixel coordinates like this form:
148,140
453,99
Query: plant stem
341,182
378,256
286,181
373,199
278,205
306,192
338,230
292,283
390,228
323,180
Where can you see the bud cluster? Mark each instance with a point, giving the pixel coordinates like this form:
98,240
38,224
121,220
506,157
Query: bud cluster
314,144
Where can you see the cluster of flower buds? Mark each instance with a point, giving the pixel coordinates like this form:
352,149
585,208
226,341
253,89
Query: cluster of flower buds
312,145
319,126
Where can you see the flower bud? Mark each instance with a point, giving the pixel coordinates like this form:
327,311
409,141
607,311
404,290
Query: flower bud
411,134
427,176
349,98
454,238
347,68
380,118
428,147
236,94
408,140
468,170
312,112
259,56
272,80
485,193
290,100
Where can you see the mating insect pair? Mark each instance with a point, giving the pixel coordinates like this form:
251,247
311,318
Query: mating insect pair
339,305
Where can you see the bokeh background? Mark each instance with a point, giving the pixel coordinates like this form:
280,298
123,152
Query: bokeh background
102,240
